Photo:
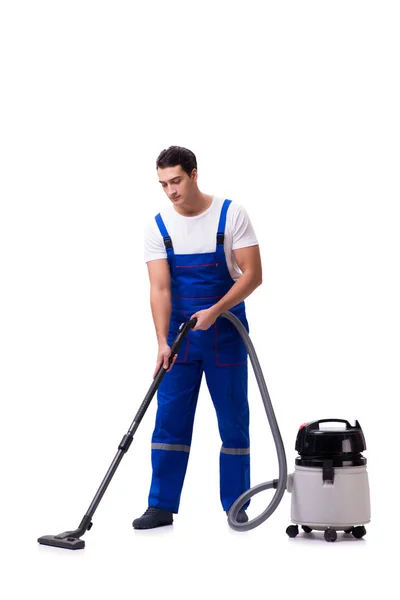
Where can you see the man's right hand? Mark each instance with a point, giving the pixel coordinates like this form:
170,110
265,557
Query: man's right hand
164,353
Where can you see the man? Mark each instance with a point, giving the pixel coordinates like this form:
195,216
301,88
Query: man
203,259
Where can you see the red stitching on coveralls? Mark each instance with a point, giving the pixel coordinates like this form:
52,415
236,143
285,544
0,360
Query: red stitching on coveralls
197,297
195,266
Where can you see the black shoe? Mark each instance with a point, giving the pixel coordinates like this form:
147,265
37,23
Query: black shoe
241,516
153,517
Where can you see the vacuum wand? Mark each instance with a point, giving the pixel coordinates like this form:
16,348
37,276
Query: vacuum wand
71,539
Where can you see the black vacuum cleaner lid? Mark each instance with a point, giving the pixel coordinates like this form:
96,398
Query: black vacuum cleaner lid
330,441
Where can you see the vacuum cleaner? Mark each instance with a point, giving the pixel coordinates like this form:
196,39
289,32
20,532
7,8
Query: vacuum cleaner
329,487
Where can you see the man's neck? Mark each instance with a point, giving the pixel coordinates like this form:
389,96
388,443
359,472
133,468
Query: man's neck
197,205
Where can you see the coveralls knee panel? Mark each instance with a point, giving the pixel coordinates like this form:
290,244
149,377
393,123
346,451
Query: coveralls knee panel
197,282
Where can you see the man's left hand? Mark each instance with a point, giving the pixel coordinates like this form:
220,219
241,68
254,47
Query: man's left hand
205,318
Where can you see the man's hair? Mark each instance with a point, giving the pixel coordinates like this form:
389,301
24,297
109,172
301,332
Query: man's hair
176,155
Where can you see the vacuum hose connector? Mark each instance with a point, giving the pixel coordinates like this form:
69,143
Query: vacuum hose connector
280,483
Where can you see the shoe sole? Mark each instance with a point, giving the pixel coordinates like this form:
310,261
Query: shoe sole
151,526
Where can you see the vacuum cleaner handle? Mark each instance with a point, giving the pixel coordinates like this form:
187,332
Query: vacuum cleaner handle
176,344
315,424
182,332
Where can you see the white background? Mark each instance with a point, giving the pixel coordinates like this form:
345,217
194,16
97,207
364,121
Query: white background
292,109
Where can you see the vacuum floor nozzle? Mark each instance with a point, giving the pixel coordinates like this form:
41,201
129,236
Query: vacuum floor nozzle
63,540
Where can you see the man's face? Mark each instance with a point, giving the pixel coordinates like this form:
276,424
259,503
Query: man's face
177,184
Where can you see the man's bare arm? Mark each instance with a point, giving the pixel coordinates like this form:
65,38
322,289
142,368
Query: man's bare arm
160,302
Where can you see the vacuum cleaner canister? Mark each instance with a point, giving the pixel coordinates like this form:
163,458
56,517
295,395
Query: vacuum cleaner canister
329,486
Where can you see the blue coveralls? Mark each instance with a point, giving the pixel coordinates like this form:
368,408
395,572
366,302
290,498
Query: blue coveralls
197,282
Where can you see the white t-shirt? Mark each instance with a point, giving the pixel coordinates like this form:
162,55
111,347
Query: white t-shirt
197,235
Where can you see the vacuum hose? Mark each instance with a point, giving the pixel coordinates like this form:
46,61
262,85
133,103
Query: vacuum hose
278,484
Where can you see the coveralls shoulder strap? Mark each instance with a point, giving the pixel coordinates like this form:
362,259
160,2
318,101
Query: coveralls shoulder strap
220,231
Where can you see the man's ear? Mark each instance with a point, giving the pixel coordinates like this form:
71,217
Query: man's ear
193,174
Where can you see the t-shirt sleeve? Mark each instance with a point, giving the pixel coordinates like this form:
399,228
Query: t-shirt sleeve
243,234
153,243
